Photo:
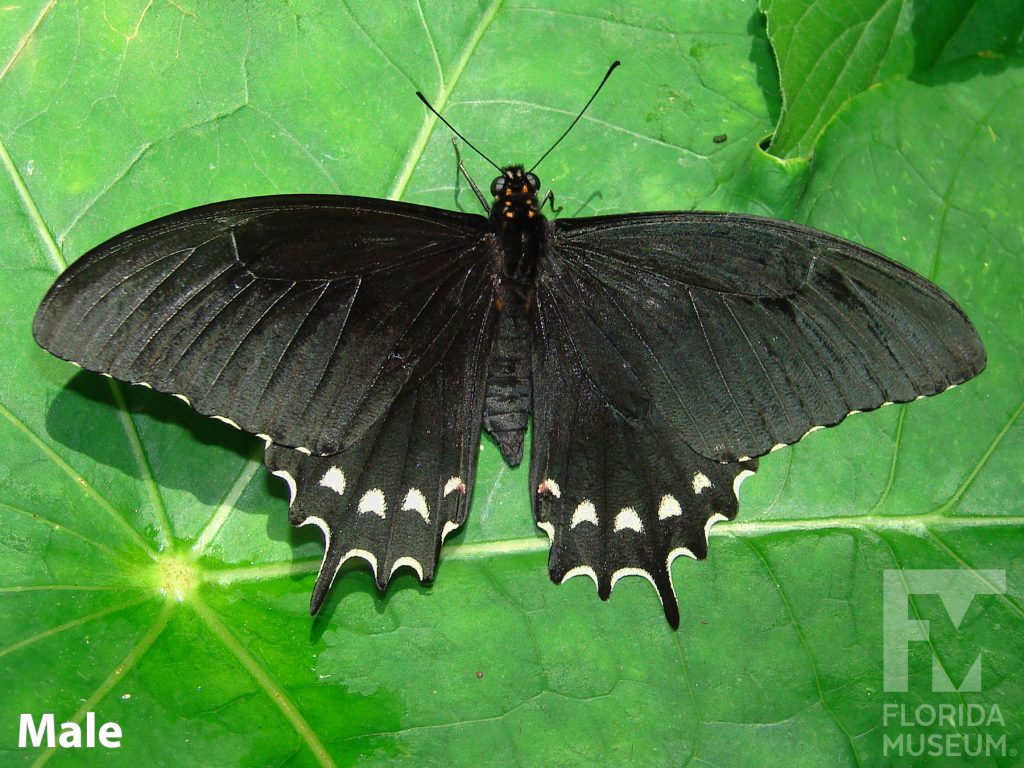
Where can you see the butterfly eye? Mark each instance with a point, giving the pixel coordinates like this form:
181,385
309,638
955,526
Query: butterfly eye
533,181
498,185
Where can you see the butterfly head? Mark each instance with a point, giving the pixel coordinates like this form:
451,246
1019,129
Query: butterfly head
515,194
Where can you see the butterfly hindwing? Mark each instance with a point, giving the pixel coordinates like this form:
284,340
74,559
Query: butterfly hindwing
746,332
392,496
297,317
619,494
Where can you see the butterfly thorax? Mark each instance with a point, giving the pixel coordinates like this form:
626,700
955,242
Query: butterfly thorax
519,228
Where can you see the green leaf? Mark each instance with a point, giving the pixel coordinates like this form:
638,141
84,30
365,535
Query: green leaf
946,31
147,569
828,51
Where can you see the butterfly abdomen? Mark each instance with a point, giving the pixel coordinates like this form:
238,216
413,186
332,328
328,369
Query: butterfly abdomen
507,397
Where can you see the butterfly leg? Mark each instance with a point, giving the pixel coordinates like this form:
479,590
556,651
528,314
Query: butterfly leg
465,173
549,198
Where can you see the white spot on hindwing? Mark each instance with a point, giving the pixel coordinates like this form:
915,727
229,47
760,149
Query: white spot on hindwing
738,481
628,518
631,572
449,528
585,512
367,556
700,482
334,479
580,570
669,507
676,553
373,501
412,562
454,484
292,489
549,529
415,501
550,486
225,419
267,439
322,525
183,399
715,518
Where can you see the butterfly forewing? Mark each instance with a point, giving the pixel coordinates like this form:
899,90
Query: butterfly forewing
745,332
298,317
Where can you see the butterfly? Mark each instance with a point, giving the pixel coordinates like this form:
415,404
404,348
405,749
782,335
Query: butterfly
368,342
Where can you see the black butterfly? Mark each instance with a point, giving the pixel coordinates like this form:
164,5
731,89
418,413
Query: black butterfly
367,341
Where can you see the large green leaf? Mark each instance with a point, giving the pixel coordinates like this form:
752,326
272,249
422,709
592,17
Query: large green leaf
829,51
148,572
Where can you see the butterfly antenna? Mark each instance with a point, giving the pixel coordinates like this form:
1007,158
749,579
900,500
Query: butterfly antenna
452,129
599,87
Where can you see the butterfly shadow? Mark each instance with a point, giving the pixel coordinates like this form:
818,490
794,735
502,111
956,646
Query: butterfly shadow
177,445
355,580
